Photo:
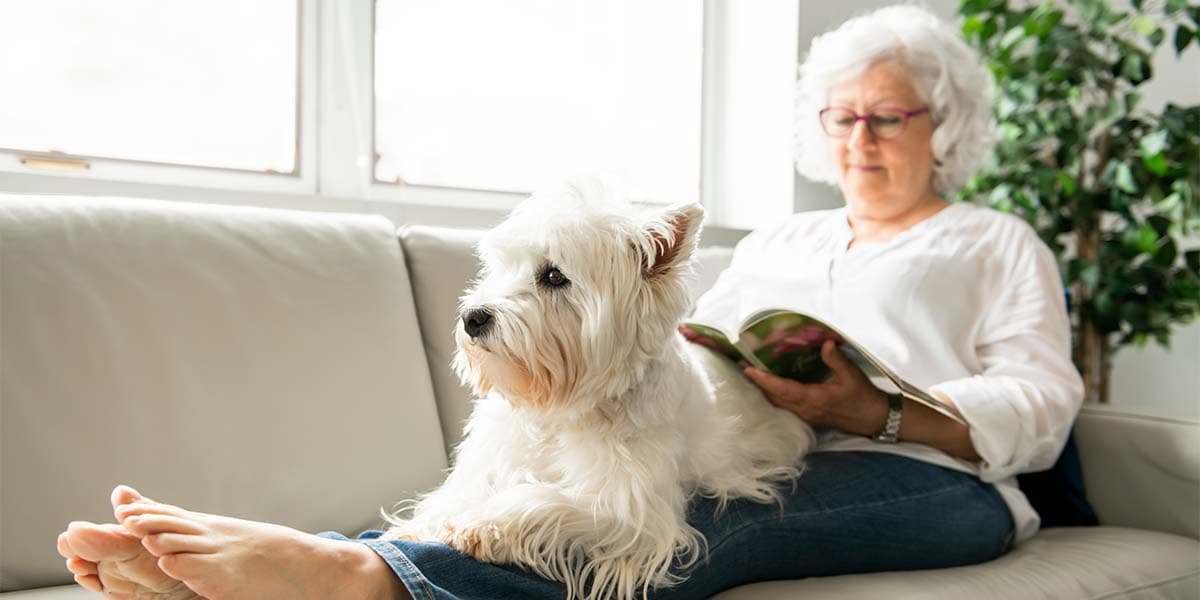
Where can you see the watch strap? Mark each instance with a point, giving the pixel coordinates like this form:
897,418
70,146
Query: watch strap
890,434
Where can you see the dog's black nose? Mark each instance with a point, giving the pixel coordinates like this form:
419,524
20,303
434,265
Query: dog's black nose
477,322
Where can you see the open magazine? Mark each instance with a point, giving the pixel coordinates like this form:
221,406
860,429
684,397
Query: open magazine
788,343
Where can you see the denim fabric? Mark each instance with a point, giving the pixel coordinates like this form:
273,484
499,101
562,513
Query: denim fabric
850,512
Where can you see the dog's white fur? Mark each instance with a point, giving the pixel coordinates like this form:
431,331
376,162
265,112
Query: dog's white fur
596,421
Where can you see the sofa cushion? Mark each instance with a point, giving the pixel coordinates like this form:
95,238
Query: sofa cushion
252,362
1061,563
441,262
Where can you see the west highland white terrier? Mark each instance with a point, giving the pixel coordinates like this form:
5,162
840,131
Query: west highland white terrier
595,421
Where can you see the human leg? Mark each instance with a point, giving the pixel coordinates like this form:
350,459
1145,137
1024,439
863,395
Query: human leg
167,553
850,512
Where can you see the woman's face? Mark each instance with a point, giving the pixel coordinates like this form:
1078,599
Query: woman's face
883,179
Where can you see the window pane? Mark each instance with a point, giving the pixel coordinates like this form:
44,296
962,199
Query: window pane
195,82
506,95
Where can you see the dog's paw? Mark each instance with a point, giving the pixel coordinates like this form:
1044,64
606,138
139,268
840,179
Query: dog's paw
480,539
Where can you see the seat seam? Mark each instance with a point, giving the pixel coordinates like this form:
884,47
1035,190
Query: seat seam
1147,585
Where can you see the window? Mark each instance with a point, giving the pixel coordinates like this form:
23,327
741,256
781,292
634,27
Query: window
401,106
508,95
211,84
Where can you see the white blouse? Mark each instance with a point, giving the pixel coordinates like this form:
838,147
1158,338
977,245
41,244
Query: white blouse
967,302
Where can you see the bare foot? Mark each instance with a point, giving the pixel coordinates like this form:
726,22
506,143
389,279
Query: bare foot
109,559
223,558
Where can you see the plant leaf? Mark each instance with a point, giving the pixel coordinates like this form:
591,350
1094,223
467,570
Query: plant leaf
1134,68
1156,164
1192,259
1090,276
1142,24
1154,143
1183,37
970,7
1156,37
1012,38
971,26
1068,184
1159,224
1124,179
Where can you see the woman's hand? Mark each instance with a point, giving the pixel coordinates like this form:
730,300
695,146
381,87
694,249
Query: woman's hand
696,338
845,401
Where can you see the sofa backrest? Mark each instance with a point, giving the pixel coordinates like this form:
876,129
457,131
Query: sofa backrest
1141,471
253,362
442,263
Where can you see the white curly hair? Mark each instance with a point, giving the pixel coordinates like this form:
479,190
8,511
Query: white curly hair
946,73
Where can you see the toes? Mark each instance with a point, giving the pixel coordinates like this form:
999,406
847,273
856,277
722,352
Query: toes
143,507
64,545
183,567
80,566
98,543
90,582
147,524
123,494
161,544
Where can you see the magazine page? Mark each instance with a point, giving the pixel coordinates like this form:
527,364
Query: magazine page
788,343
899,384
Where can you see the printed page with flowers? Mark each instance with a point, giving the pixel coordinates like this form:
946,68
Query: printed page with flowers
788,344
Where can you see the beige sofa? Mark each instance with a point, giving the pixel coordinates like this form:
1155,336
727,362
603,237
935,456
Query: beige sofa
292,367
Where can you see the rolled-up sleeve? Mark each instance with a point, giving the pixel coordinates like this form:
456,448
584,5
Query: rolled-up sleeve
1020,408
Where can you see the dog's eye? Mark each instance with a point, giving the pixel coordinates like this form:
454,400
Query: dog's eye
552,277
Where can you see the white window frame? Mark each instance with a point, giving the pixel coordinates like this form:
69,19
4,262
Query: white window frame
336,136
303,179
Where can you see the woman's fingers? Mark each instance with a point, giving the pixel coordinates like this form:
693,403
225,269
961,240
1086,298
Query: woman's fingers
780,391
834,359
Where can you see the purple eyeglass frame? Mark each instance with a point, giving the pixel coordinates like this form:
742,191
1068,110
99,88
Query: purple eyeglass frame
908,114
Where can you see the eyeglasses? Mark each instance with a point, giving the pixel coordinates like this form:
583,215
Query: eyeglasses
885,123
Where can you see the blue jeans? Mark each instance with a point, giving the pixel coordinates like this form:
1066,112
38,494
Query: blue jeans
850,512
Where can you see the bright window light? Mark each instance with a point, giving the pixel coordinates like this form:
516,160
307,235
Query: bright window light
193,82
510,95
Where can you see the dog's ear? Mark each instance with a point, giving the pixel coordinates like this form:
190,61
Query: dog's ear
671,238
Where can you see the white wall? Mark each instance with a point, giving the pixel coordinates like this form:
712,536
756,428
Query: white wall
1145,380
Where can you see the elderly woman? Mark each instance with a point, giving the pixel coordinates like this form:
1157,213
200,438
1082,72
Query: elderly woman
964,301
895,110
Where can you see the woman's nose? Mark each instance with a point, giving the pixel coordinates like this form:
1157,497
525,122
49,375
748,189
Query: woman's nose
860,135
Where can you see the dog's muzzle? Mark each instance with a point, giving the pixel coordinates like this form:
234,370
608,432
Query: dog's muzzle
477,322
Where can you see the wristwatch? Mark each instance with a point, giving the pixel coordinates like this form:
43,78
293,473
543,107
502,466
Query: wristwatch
891,429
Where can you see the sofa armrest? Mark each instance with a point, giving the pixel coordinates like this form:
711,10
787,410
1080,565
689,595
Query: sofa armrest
1141,471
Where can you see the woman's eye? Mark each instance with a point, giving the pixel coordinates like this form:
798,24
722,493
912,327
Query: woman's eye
886,121
554,278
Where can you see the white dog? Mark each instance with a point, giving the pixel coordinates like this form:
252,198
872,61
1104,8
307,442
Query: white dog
596,421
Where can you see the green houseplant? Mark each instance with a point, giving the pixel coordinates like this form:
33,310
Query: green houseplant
1112,188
